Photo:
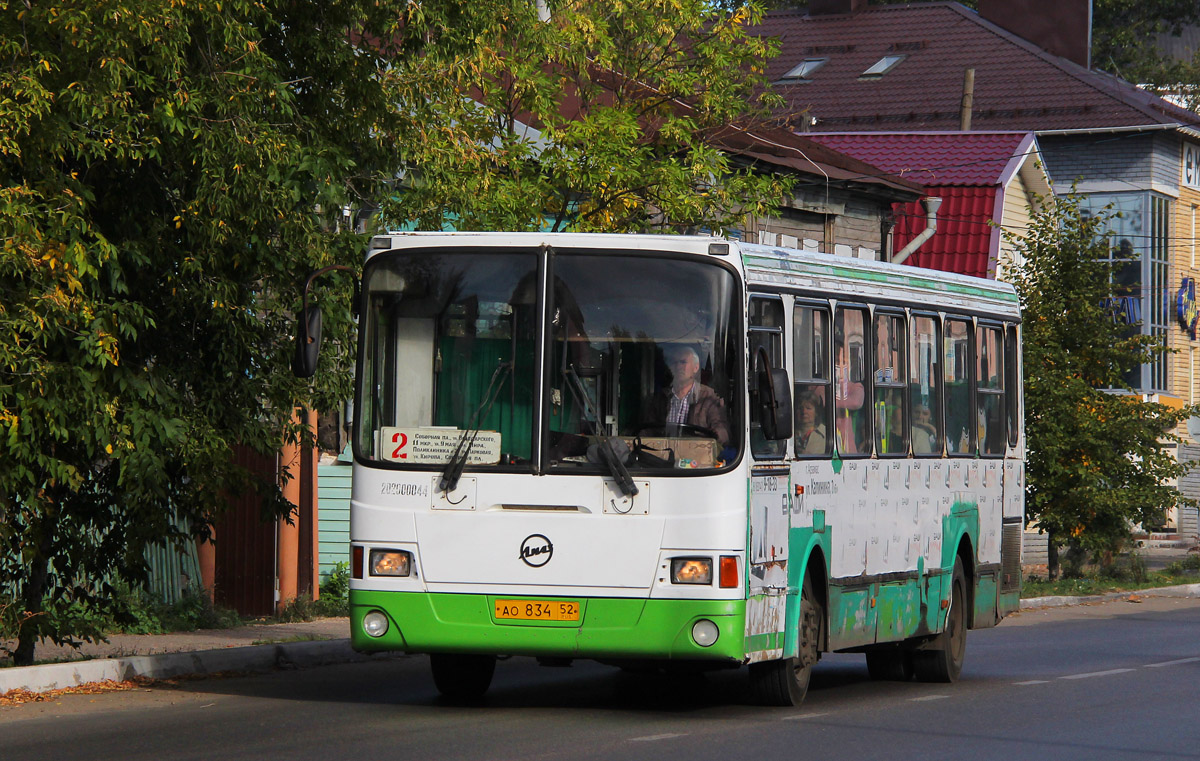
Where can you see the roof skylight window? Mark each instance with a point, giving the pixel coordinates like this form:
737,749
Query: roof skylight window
806,68
882,66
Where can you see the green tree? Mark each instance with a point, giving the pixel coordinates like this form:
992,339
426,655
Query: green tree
1098,460
1124,43
171,170
606,117
168,171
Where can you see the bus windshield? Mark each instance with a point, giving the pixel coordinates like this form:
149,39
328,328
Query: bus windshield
640,358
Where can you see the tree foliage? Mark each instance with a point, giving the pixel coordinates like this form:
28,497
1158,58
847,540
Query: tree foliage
171,170
1098,460
607,117
1124,43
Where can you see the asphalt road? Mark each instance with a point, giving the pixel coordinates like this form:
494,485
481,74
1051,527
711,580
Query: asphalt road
1113,681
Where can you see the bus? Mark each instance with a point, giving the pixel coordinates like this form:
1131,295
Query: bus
680,452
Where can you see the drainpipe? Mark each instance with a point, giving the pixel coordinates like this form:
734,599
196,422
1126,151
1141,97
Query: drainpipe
931,208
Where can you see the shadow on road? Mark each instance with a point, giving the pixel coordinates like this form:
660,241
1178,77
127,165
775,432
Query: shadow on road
519,683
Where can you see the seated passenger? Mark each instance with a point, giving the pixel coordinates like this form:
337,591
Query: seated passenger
924,435
810,424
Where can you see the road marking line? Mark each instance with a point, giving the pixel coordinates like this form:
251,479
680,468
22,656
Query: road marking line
804,716
1096,673
1031,681
1171,663
928,697
652,738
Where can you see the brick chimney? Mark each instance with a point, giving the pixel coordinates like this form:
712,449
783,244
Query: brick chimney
834,7
1060,27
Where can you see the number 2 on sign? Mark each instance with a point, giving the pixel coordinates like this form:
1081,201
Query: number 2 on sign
400,439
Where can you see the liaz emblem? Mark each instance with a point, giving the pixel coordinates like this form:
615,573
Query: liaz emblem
536,550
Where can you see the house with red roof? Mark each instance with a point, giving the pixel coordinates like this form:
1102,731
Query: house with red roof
987,183
847,66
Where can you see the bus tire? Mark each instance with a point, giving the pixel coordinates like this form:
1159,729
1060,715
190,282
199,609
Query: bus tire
784,682
893,665
943,662
462,677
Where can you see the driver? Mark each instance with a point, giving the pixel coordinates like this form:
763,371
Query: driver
688,401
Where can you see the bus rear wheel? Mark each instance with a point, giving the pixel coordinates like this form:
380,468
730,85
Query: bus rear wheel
945,663
785,682
462,677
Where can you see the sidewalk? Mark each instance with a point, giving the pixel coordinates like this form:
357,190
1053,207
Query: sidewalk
259,647
265,647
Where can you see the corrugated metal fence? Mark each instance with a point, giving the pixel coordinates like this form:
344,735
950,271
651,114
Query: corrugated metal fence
333,511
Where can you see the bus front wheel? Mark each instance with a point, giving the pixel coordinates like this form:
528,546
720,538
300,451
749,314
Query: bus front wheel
785,682
945,663
462,677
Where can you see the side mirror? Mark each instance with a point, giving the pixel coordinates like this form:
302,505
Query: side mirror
775,398
308,342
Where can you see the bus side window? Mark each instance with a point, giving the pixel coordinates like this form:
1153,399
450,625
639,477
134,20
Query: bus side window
766,331
925,386
891,423
990,412
852,423
958,371
1012,352
810,374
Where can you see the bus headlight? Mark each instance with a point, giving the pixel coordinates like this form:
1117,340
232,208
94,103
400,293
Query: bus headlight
691,570
375,624
390,563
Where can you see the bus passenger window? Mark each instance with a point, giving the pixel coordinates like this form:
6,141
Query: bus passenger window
810,374
925,386
990,412
766,332
852,424
891,427
958,370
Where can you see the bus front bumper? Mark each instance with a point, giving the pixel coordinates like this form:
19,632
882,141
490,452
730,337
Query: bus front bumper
615,628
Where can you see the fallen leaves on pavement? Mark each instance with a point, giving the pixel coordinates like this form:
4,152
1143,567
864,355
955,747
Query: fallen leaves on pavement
20,697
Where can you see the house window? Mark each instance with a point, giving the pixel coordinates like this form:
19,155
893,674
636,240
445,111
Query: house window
882,66
805,69
1139,224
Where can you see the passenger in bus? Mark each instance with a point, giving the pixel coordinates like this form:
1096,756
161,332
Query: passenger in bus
810,424
924,435
848,398
688,401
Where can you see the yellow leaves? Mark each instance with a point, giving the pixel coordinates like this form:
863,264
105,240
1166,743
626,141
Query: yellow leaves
46,64
178,222
108,448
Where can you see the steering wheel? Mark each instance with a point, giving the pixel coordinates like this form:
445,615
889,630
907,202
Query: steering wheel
685,429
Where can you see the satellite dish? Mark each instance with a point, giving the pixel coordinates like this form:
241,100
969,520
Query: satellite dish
1193,428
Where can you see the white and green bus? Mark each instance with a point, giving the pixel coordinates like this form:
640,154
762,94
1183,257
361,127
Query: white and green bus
680,452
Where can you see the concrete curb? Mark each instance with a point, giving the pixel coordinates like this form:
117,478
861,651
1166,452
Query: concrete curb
1183,590
55,676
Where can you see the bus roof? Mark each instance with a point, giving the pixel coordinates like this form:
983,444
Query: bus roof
772,267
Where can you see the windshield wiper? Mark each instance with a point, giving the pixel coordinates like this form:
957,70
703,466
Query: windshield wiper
458,460
604,447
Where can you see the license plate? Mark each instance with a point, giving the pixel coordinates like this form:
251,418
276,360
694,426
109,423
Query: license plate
537,610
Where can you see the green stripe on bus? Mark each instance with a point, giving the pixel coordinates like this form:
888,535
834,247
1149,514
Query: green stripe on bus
882,277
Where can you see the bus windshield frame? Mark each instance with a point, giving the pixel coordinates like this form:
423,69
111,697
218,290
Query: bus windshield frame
533,360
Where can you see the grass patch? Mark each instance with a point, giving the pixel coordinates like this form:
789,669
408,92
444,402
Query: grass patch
1127,574
334,600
